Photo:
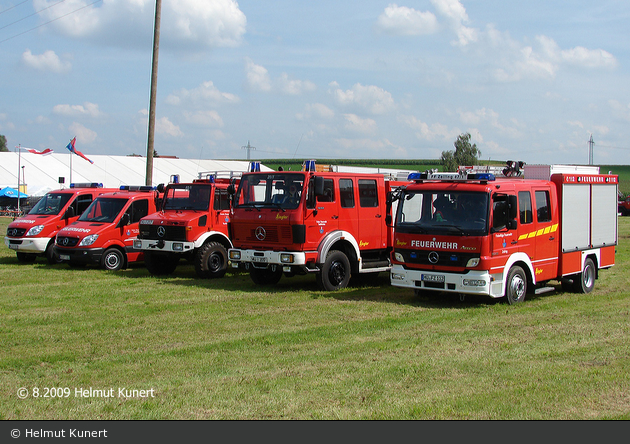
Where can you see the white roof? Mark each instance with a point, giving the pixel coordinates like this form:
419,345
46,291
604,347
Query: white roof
41,173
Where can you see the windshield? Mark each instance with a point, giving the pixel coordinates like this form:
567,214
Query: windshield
51,203
437,212
279,190
188,197
103,209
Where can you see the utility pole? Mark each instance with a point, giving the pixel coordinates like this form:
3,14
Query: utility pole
248,147
590,150
154,73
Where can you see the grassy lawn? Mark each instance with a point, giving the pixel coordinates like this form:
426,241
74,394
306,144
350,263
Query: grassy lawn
228,349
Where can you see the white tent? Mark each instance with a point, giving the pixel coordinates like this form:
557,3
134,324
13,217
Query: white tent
41,173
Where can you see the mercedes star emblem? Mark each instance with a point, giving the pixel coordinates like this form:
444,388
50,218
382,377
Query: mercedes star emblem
434,257
161,231
260,233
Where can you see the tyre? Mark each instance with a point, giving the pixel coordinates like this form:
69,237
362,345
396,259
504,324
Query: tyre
585,281
51,257
335,273
113,259
516,285
26,257
160,264
266,276
211,261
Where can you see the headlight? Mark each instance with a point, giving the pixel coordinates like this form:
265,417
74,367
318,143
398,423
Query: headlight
474,282
88,240
399,257
286,258
397,276
472,262
137,244
178,247
34,231
235,255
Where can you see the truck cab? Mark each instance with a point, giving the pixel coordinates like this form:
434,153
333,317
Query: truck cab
192,224
34,234
328,223
105,232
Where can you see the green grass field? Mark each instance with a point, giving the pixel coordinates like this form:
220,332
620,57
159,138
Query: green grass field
227,349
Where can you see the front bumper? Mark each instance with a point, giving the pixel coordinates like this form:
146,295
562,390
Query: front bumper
264,258
35,245
80,255
478,282
165,246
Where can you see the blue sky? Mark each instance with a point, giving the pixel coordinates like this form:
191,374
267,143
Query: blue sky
362,79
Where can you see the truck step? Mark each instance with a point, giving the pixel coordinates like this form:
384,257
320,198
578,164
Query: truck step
375,264
542,290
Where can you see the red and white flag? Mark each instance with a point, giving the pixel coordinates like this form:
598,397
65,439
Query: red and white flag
34,151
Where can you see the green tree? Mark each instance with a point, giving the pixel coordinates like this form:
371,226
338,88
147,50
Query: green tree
464,154
3,144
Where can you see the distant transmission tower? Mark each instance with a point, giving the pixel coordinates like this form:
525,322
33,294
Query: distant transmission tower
248,147
590,150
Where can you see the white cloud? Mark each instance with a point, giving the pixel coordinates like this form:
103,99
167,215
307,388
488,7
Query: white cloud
456,14
257,76
371,98
165,126
316,110
206,92
430,132
401,20
589,58
48,61
292,86
205,118
87,109
359,125
84,135
620,110
201,23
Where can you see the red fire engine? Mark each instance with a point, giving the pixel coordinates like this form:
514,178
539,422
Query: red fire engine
472,232
34,234
105,232
191,223
316,220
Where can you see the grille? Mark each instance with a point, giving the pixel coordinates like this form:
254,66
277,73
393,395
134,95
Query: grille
64,241
16,232
171,233
447,259
273,234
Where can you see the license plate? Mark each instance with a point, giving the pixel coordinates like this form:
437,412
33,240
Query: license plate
432,277
64,257
259,259
14,246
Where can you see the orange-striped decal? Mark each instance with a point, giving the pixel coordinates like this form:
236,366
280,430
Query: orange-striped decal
550,229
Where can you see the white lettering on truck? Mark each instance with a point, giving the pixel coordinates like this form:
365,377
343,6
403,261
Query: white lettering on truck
434,244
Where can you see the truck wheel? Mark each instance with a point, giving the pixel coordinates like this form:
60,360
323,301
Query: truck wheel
51,257
211,261
335,273
585,281
26,257
160,264
266,276
113,259
516,285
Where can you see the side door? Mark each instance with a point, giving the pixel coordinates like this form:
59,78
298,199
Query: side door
371,215
326,215
221,209
138,209
546,235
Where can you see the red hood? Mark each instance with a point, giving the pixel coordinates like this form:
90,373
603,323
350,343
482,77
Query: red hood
32,220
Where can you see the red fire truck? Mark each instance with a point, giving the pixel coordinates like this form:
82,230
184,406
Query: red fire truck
105,232
479,232
34,234
316,220
192,223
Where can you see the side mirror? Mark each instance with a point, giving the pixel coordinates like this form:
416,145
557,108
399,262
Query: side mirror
160,188
319,186
124,220
231,189
512,206
69,213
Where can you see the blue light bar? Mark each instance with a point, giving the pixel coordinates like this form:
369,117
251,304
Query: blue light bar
417,176
86,185
254,167
136,188
483,177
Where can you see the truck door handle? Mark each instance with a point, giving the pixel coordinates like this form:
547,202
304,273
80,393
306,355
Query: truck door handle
552,238
378,215
334,217
514,242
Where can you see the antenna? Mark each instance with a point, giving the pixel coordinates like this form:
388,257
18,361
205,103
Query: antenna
248,147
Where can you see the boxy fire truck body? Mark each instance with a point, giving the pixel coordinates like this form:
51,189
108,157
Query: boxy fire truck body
192,223
105,232
332,224
480,234
34,234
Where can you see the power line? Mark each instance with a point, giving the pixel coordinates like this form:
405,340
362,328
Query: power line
31,15
50,21
14,6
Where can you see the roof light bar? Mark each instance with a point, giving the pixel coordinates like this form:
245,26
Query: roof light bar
136,188
451,177
86,185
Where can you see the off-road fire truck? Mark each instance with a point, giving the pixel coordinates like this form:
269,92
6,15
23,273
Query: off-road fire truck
34,234
480,232
623,206
192,224
316,220
105,232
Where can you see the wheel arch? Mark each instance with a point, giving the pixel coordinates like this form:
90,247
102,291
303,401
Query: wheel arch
214,236
342,241
521,260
